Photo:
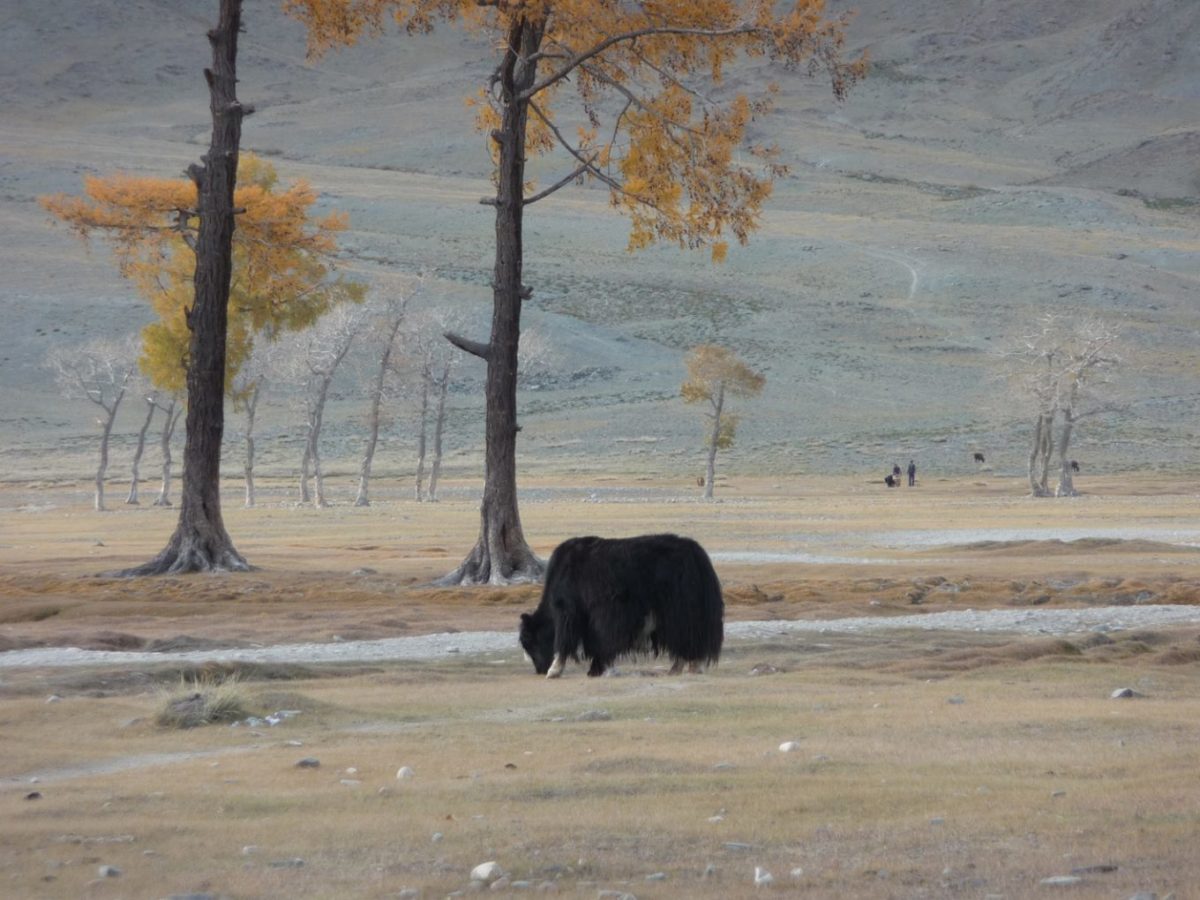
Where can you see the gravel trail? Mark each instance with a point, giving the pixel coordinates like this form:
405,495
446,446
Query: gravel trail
437,646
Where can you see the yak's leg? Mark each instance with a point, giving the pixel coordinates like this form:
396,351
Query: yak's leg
599,664
556,667
676,666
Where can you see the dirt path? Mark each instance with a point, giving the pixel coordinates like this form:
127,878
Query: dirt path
437,646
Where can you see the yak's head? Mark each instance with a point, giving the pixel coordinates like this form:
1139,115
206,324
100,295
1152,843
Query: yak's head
537,637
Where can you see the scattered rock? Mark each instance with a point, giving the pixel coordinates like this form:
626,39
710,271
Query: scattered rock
109,872
404,772
724,767
1061,881
1058,793
34,795
1125,694
364,571
351,782
294,863
710,871
789,747
437,837
937,820
309,762
797,872
249,850
657,876
737,845
762,877
408,894
764,669
615,895
594,715
53,698
956,701
1100,869
487,872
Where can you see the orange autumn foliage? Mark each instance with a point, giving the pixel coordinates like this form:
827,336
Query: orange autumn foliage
661,133
281,258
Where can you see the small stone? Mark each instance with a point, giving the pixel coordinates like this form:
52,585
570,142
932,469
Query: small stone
762,877
937,820
34,795
521,885
797,872
351,782
404,772
437,837
1125,694
1057,794
294,863
710,871
293,743
53,698
657,876
1061,881
309,762
487,872
500,884
594,715
408,894
352,771
724,767
1099,869
956,701
249,850
789,747
109,872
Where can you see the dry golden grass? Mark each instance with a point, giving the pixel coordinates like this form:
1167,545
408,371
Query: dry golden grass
930,765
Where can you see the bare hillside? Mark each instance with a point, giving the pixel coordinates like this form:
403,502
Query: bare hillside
1003,158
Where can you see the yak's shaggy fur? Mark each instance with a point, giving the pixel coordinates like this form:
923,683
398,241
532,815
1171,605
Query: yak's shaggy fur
606,598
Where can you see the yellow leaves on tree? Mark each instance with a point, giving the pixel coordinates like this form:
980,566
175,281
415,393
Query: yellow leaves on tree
661,131
281,258
715,373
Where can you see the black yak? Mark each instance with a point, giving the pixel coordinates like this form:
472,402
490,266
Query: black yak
979,457
606,598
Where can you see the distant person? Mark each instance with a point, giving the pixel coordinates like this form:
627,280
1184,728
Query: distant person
912,473
1074,466
896,472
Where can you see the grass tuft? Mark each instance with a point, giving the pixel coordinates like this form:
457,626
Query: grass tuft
203,701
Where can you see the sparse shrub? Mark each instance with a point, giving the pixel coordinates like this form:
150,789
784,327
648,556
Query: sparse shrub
202,701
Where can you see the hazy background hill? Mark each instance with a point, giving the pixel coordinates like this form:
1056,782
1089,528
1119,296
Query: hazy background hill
1004,157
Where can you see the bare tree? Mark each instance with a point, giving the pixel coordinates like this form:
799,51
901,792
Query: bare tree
140,447
387,317
172,407
248,387
312,365
714,374
98,371
1064,368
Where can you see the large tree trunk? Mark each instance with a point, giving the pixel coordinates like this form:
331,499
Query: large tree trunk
1039,455
248,468
306,466
501,555
200,541
134,479
710,473
439,426
420,485
364,471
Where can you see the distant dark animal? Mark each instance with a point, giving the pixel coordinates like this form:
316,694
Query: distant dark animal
890,480
606,598
700,481
1074,466
979,458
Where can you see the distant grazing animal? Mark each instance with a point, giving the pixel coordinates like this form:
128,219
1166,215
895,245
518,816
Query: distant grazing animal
1074,466
890,480
605,598
979,457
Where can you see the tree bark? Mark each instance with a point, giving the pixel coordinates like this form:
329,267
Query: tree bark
248,468
200,541
364,471
439,426
711,470
168,431
306,465
132,499
501,554
314,451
